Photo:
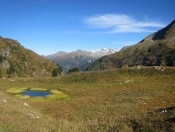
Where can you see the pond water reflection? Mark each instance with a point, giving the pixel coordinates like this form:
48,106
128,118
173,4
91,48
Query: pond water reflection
36,93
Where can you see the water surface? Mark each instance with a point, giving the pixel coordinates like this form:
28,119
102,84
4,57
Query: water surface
36,93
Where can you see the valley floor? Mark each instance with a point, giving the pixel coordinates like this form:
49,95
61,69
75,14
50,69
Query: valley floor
116,100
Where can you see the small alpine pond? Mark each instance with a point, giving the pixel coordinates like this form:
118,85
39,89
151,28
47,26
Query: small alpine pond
32,93
37,94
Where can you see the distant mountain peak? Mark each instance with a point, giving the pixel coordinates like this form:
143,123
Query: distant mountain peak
107,50
79,58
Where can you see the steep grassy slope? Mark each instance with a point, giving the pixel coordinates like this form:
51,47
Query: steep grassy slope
157,49
15,60
116,100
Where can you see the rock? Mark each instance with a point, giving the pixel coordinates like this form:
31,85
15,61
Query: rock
26,104
5,101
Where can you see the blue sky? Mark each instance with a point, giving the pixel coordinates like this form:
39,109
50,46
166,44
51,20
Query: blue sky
48,26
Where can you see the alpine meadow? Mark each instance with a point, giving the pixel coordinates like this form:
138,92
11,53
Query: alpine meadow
87,66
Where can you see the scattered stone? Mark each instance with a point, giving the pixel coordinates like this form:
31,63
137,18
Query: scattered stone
123,116
129,81
164,111
33,116
5,101
37,117
159,68
26,104
30,114
138,67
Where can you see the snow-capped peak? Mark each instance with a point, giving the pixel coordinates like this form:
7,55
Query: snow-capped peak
107,50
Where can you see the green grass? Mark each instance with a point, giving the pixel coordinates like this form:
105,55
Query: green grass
22,96
38,89
56,92
16,90
98,101
57,96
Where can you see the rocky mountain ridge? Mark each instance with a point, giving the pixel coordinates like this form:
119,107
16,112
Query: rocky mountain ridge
157,49
17,61
79,58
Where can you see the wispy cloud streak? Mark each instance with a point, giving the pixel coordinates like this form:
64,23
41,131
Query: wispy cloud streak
116,23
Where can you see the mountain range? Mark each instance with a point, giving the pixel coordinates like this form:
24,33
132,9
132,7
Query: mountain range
157,49
79,58
17,61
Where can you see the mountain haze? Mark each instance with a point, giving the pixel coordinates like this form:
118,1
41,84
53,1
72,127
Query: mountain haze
17,61
157,49
79,58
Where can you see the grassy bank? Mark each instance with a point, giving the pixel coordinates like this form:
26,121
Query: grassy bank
116,100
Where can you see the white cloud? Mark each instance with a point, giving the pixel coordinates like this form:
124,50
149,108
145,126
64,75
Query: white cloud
116,23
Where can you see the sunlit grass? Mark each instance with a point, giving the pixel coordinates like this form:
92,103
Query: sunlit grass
57,96
56,92
22,96
16,90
